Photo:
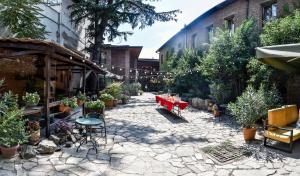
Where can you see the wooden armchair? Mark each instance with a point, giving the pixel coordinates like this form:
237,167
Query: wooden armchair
279,126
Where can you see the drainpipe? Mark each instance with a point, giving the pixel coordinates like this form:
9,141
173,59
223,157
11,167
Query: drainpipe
248,9
58,34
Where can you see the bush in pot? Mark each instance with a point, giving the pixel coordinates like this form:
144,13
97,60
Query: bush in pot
108,100
68,104
81,98
12,132
95,106
253,105
31,99
124,98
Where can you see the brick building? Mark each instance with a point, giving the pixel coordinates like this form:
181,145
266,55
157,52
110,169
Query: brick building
147,68
230,12
121,60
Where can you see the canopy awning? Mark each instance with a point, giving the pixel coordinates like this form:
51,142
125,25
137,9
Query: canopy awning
283,57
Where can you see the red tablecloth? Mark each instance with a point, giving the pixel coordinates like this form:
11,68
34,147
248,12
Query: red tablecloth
170,104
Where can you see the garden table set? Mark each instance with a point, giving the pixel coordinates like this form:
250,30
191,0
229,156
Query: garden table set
172,104
89,122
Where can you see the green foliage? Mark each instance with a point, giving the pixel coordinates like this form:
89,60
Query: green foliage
220,92
284,30
254,104
98,104
114,89
228,55
21,18
70,102
106,97
81,97
31,99
131,89
12,129
10,100
107,16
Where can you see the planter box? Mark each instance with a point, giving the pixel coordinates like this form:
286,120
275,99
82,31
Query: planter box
109,104
100,111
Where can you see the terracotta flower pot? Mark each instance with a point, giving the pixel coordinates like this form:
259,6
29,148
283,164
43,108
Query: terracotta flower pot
249,133
216,113
9,152
88,110
35,137
109,104
63,108
79,102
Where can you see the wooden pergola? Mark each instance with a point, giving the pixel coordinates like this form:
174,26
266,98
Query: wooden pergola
48,53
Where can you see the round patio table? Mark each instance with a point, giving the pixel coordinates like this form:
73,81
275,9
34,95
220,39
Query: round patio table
88,123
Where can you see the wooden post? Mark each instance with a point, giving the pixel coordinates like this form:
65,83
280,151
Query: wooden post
83,82
47,93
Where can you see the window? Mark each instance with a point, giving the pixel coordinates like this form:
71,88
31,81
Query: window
179,46
172,51
210,33
161,58
230,25
269,12
194,37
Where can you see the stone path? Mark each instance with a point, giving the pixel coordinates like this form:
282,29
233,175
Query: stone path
145,140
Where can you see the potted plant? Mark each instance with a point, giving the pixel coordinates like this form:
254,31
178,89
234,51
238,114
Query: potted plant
12,132
248,108
95,106
124,99
31,99
81,98
215,110
68,104
108,100
33,129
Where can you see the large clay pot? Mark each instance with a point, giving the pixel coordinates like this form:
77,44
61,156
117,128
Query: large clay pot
249,133
9,152
216,113
34,137
63,108
109,104
100,111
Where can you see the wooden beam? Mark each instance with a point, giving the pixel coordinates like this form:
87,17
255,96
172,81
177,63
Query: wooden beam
47,93
20,53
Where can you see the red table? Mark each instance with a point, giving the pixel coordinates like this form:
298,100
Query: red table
170,104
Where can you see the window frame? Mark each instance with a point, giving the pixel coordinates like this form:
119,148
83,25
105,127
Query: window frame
269,6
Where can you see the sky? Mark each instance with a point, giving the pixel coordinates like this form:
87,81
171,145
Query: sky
151,38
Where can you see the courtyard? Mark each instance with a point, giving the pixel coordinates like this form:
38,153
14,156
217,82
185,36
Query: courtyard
143,139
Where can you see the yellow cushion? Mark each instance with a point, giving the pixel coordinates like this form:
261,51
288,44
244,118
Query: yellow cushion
283,135
291,113
277,117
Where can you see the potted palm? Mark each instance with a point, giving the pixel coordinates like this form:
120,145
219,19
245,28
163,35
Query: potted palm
31,99
12,132
81,98
108,100
95,106
33,129
68,104
248,108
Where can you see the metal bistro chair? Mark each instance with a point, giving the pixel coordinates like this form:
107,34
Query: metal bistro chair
103,126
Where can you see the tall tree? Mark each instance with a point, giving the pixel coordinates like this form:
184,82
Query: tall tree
21,17
106,17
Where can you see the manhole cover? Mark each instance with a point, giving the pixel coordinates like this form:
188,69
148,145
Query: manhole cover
224,153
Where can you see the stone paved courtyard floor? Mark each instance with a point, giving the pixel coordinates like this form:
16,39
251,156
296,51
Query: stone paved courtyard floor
145,140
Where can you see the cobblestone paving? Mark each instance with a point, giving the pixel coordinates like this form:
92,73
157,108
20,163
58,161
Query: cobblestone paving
145,140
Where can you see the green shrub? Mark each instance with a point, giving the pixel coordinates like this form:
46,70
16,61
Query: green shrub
114,89
10,100
106,97
12,129
31,99
82,97
131,89
98,104
284,30
253,104
71,102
